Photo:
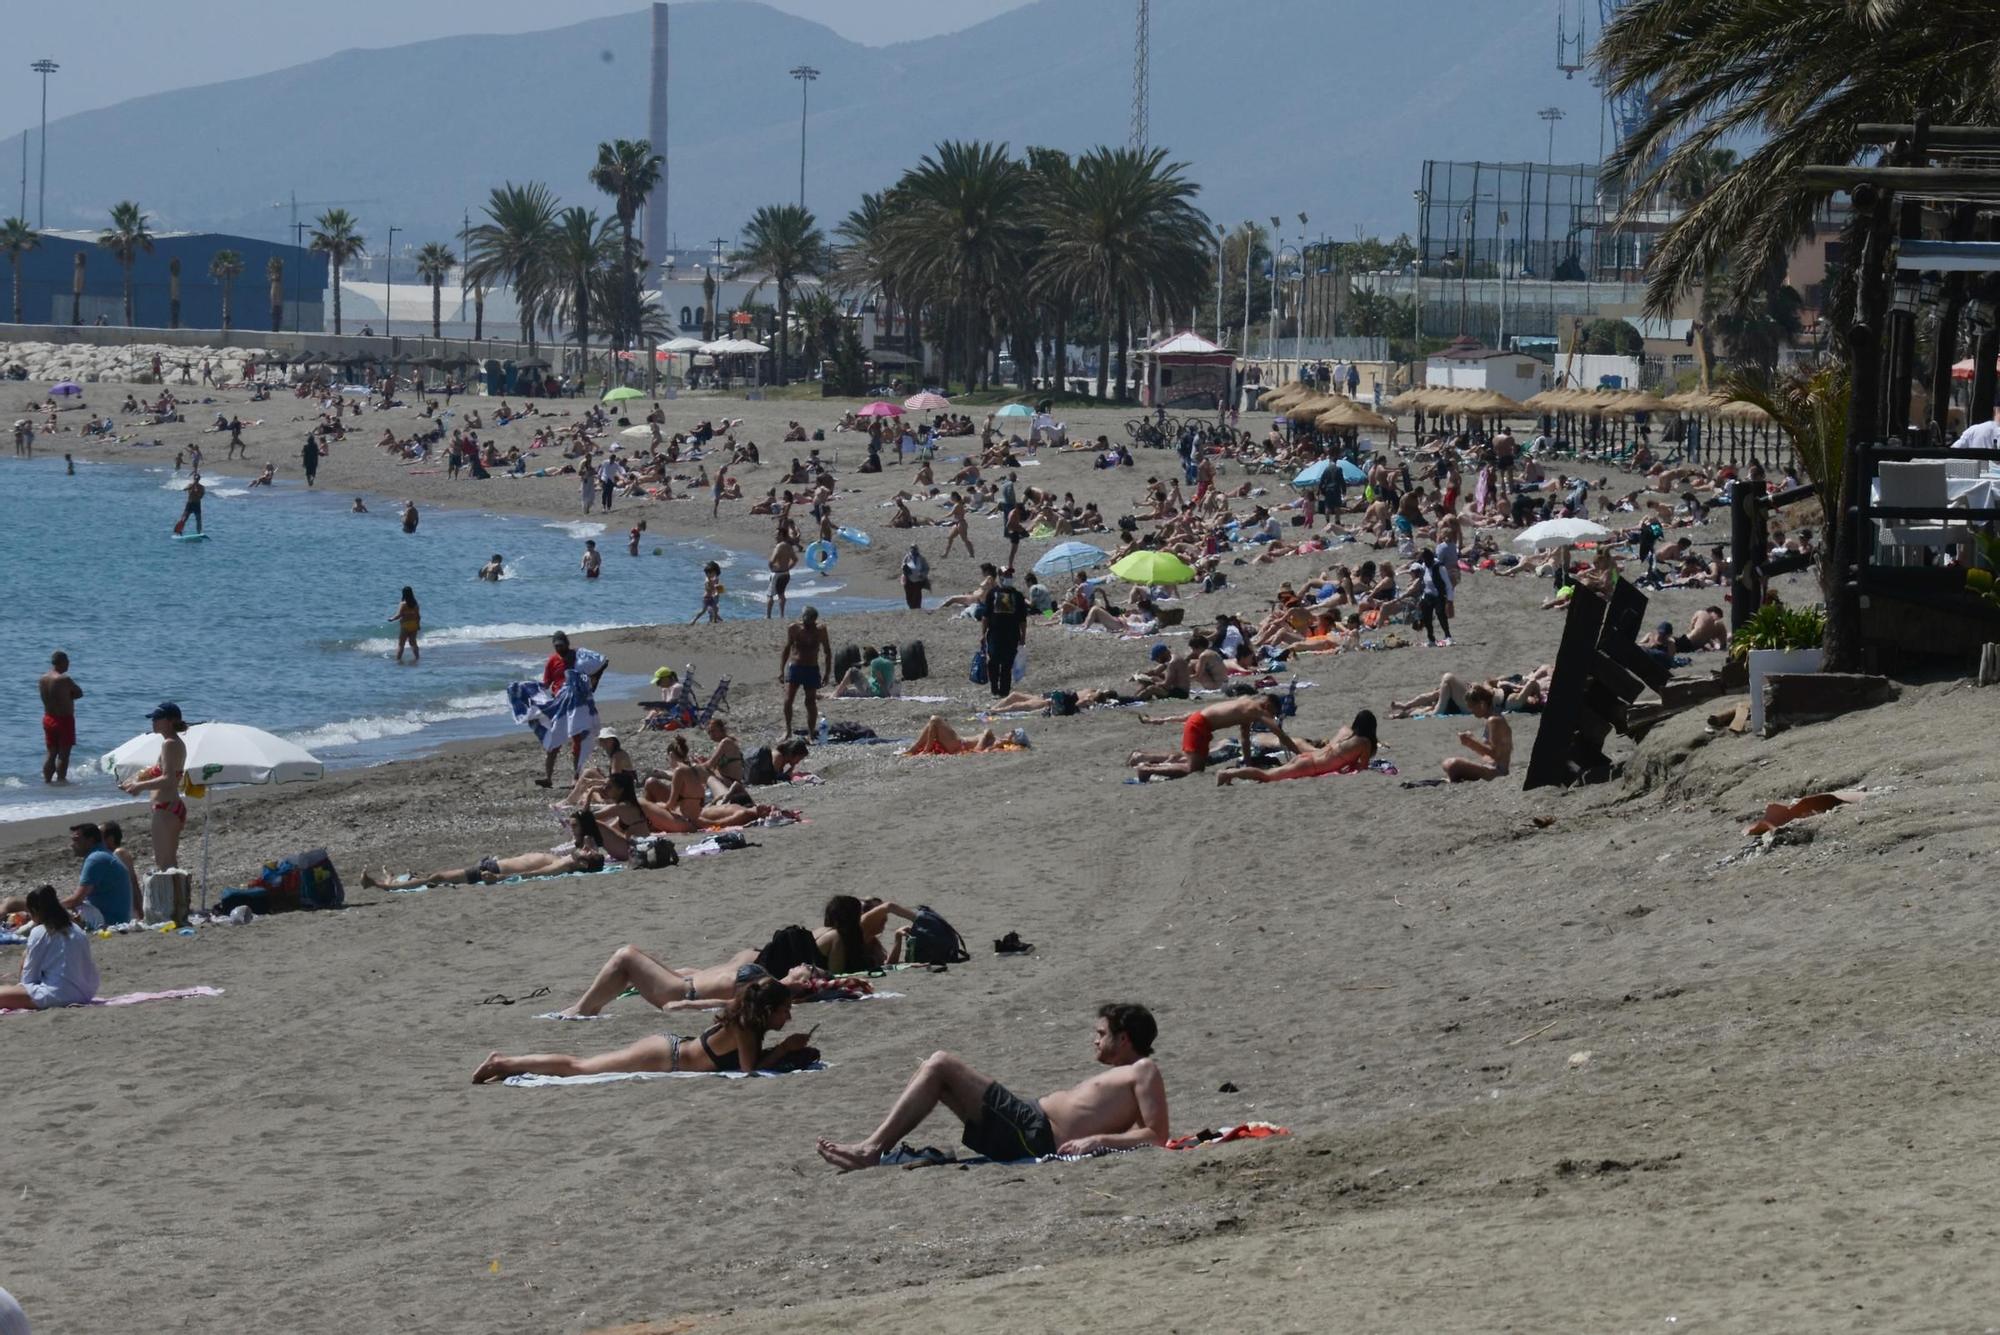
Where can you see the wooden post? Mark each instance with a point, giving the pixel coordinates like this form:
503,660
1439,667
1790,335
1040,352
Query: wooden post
1989,665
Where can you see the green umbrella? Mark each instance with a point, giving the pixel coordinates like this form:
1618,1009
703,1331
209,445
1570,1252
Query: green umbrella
1153,568
622,393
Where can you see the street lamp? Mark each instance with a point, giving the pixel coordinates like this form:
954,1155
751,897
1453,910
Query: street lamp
1504,244
389,284
44,67
1278,259
805,74
1423,199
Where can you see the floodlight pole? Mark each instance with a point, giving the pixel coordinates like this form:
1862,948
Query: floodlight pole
44,67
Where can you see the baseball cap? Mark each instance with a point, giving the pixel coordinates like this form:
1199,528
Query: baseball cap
166,709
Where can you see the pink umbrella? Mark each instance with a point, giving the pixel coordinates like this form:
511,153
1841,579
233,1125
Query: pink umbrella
926,402
879,409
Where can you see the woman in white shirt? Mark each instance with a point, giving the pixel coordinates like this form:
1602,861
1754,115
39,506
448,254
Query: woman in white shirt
57,970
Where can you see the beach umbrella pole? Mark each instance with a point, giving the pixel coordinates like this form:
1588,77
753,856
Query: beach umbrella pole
207,819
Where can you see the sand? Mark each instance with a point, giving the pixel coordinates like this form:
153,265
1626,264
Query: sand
1777,1125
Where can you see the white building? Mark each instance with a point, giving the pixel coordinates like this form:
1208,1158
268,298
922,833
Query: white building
1466,364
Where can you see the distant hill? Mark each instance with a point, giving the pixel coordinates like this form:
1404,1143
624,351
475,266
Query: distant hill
1326,106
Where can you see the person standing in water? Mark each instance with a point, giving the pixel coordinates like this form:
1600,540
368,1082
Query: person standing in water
593,562
783,557
191,503
409,516
59,697
163,782
409,620
309,456
711,594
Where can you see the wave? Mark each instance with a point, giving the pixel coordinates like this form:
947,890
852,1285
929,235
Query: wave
56,806
229,491
505,630
374,728
579,528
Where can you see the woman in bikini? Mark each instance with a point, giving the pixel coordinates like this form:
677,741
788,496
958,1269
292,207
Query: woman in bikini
959,532
734,1043
163,783
938,738
702,988
850,938
584,854
676,804
409,620
1348,753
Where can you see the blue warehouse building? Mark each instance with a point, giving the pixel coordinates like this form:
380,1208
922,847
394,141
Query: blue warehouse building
47,276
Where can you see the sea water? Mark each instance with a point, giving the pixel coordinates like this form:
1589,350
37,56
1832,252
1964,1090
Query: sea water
281,618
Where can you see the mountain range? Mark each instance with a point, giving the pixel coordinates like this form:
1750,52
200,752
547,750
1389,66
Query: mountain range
1278,106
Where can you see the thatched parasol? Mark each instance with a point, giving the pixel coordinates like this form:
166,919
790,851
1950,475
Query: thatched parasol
1642,401
1346,413
1285,396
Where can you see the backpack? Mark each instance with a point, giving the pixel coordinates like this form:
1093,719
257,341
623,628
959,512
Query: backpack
932,940
788,948
656,851
978,670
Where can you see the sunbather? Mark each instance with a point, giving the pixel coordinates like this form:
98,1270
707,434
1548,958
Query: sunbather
583,855
1245,713
1492,752
667,988
1123,1108
1349,752
850,938
938,738
735,1042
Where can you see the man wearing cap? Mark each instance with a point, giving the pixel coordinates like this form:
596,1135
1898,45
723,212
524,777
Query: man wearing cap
59,697
807,661
163,781
1005,611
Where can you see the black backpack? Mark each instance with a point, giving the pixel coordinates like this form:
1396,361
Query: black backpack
932,940
788,948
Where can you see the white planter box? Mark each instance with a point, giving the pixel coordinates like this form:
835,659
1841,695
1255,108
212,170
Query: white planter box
1765,662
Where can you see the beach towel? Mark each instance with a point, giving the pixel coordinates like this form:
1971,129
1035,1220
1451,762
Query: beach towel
134,998
605,870
908,1157
990,751
569,712
831,995
618,1077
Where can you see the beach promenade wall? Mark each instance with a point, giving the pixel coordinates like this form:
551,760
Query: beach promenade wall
336,346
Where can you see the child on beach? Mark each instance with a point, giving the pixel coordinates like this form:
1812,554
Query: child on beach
711,594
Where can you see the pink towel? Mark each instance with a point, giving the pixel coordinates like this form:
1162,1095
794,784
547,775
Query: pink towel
134,998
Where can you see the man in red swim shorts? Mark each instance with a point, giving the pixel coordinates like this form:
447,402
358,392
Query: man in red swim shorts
59,697
1244,712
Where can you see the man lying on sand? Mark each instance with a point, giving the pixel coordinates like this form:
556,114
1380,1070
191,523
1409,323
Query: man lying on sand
1122,1108
1348,753
735,1042
1245,712
583,855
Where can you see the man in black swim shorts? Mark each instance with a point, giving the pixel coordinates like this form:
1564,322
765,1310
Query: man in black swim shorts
1122,1108
806,663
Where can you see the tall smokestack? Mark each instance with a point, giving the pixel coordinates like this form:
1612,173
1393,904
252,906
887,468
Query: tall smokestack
656,130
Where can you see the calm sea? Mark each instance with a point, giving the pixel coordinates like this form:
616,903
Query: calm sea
280,618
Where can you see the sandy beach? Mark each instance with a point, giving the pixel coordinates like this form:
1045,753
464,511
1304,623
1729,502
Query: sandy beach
1586,1060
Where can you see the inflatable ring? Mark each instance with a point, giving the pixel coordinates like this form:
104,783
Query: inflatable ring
820,556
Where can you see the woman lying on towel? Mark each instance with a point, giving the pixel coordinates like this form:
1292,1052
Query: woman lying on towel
671,805
938,739
704,988
57,969
735,1042
1347,753
583,855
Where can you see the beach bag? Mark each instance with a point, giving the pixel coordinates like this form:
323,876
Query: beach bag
319,884
932,940
788,948
654,852
847,730
978,672
846,661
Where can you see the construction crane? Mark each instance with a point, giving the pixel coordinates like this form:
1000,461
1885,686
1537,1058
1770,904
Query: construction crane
1142,59
1627,110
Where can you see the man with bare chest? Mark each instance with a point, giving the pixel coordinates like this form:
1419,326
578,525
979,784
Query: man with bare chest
59,697
807,662
783,557
1121,1108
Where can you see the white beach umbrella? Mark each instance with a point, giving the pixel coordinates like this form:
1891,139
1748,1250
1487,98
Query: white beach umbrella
220,753
1553,533
681,344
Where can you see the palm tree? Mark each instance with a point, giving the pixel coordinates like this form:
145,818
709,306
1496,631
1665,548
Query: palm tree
127,236
335,236
17,239
512,248
582,267
628,170
957,237
274,270
1123,234
1797,78
434,265
174,292
785,242
865,262
76,289
225,269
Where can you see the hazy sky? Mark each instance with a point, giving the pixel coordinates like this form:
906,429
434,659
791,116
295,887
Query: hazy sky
111,50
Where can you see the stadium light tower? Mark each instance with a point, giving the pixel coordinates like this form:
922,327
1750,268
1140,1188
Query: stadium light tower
805,74
44,67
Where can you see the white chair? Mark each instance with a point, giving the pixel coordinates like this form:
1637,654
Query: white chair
1914,484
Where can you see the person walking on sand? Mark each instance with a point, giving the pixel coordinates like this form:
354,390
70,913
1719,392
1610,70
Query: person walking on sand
59,697
958,531
607,481
807,661
163,781
409,620
784,556
1005,614
1119,1109
721,483
586,473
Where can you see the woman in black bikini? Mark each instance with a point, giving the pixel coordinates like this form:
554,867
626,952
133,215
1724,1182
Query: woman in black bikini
735,1042
850,940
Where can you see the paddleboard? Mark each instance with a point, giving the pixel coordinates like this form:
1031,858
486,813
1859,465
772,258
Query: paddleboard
190,537
855,536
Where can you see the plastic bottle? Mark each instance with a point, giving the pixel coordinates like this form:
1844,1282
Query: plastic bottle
823,730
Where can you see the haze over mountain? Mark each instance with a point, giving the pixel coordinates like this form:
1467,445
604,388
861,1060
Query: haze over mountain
1277,105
